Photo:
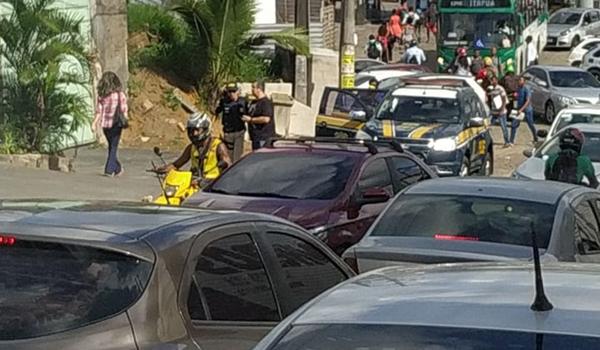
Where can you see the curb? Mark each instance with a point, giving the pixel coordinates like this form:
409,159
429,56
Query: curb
39,161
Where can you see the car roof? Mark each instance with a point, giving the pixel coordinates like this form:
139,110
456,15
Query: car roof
580,107
399,66
556,68
484,296
586,127
351,146
505,188
574,9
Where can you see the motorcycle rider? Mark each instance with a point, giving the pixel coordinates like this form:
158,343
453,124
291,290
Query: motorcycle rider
569,165
208,155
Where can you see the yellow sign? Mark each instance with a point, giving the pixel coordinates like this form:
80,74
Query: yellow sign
347,81
348,59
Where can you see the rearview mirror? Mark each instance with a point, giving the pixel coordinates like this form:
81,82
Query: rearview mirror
157,151
476,122
358,115
528,153
542,133
373,195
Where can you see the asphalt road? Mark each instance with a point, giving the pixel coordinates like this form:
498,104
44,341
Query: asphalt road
87,183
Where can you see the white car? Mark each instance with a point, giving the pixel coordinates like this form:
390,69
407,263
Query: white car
591,61
577,53
383,72
583,113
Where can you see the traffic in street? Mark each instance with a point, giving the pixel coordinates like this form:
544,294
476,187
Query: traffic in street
443,196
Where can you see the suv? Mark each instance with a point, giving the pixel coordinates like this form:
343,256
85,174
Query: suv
124,276
440,120
335,188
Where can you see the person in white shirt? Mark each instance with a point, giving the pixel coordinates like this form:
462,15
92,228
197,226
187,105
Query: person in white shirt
414,54
532,55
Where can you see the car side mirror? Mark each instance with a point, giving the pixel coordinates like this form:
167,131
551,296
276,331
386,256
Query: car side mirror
358,115
157,151
373,195
542,133
528,153
541,83
476,122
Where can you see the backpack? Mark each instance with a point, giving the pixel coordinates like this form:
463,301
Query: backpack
564,168
372,51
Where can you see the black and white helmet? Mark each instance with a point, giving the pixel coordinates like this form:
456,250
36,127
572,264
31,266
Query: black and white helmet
202,123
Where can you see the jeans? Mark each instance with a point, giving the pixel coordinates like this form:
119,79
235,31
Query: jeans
113,136
257,144
235,144
501,119
516,123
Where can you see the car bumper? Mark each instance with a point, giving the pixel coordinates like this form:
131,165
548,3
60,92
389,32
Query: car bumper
443,163
561,41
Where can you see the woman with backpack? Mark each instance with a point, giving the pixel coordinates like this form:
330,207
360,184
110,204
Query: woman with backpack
111,116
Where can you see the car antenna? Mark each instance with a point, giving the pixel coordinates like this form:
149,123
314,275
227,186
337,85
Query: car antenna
541,302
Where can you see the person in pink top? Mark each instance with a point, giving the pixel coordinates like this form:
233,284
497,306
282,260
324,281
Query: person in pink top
395,29
110,98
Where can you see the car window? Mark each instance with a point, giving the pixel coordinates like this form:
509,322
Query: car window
375,175
573,79
468,107
591,146
590,45
587,18
405,172
306,271
407,337
587,230
596,53
594,16
538,75
565,18
469,218
231,281
47,288
479,109
295,174
420,109
568,118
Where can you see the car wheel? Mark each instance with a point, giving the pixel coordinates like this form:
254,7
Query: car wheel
575,41
465,168
487,168
549,112
595,72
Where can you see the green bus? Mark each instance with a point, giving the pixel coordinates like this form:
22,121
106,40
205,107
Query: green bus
482,24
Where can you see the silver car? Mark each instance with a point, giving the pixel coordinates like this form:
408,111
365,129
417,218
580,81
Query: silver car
449,307
452,220
533,167
556,87
567,27
108,276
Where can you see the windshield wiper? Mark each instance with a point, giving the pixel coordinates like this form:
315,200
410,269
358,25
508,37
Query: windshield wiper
265,194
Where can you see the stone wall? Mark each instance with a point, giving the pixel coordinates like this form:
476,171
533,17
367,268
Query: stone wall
329,31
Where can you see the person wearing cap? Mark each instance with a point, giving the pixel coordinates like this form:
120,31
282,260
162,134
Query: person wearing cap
233,108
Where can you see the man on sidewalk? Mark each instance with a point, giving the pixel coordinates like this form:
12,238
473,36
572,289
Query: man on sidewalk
233,108
260,118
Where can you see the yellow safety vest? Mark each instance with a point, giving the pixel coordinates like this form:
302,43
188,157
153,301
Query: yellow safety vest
211,161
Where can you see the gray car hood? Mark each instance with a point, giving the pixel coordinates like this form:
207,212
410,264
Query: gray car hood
586,95
556,29
533,168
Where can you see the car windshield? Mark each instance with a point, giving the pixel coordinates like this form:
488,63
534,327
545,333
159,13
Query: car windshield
420,109
484,219
576,118
573,79
408,337
565,18
479,30
47,287
303,174
591,147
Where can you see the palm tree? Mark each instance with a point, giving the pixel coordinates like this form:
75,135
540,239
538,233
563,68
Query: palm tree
222,30
44,74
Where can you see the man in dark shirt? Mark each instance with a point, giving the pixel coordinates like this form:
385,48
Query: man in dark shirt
233,108
260,118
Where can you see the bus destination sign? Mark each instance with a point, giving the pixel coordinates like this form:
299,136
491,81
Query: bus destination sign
474,3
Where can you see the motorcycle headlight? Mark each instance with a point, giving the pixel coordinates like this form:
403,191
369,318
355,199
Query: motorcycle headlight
565,32
444,145
565,100
171,190
362,135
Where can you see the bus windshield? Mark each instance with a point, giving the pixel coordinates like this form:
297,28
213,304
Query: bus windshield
480,30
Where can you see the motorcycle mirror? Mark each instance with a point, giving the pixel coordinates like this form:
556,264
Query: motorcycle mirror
157,151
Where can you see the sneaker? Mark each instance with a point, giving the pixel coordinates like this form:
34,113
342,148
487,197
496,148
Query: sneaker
120,172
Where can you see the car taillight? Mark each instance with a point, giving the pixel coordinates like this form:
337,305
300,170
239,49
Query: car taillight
455,238
7,240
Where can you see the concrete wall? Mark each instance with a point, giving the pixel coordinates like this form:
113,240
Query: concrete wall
325,70
109,33
266,12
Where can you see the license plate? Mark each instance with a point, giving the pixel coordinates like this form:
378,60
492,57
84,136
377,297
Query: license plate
551,41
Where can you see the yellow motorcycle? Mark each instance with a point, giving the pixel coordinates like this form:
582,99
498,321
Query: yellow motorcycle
176,185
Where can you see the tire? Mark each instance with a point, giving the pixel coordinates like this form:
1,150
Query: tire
575,42
487,168
595,72
549,112
465,168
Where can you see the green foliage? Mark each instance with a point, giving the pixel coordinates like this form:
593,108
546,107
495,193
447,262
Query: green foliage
8,141
171,100
45,76
221,28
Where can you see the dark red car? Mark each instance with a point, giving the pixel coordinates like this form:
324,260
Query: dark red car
333,188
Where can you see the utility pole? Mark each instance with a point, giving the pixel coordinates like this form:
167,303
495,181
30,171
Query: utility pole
347,48
302,63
